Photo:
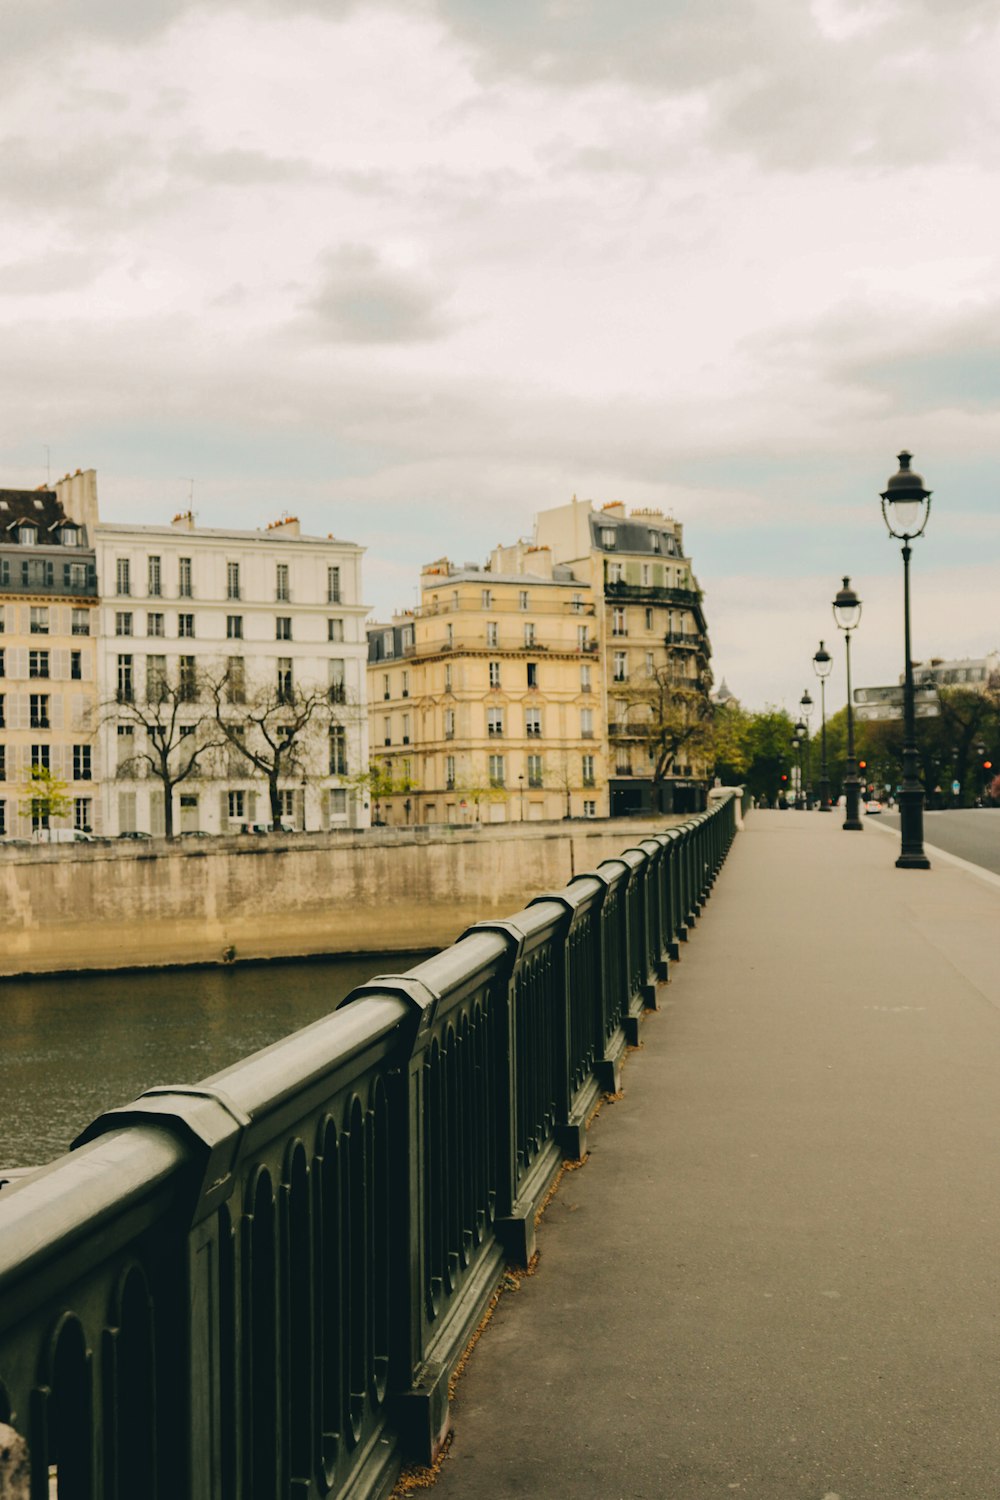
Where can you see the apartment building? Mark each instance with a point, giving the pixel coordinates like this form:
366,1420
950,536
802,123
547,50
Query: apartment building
485,700
272,615
48,662
652,639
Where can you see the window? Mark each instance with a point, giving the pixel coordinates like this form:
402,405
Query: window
155,624
335,630
406,636
81,622
123,622
69,536
614,572
27,536
449,723
286,687
497,773
447,677
39,710
587,762
81,763
581,637
283,628
534,770
3,817
576,604
449,636
126,688
338,686
338,802
3,715
2,664
388,644
185,626
281,581
184,578
126,739
236,804
406,684
492,633
386,690
494,674
533,723
494,722
532,669
3,762
449,773
654,541
621,666
81,814
644,575
650,665
586,723
76,575
649,619
234,627
232,580
522,599
156,679
38,663
529,634
487,598
623,762
387,731
406,729
589,809
187,679
338,750
37,573
154,578
607,536
619,624
40,756
123,584
586,681
39,623
333,585
236,682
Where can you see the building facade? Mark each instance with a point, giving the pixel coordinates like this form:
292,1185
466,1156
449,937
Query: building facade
485,701
654,648
48,665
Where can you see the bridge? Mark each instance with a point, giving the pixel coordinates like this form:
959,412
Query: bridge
774,1276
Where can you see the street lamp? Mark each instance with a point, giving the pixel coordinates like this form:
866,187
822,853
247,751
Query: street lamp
807,705
799,741
847,613
795,754
823,666
906,506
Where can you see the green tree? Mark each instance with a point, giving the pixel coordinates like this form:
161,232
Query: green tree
43,797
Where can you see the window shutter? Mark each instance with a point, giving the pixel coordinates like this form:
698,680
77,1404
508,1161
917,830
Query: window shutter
223,812
251,807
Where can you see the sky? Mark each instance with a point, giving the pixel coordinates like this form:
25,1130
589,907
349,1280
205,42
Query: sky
416,272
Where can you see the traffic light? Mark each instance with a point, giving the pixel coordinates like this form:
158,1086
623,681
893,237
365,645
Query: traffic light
987,765
862,765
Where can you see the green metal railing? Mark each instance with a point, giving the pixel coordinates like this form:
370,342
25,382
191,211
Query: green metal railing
259,1286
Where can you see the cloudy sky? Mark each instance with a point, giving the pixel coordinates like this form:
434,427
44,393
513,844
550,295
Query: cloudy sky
416,272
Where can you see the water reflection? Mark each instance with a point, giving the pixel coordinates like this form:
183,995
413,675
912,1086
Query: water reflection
75,1047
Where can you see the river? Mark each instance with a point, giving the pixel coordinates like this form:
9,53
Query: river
74,1047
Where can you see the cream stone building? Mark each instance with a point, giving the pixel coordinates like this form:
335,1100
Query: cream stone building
48,662
651,633
485,702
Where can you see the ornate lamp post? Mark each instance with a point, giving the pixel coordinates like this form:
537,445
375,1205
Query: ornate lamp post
795,756
799,742
847,613
806,706
823,666
906,506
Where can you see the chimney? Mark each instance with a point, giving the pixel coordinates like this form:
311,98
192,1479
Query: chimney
77,494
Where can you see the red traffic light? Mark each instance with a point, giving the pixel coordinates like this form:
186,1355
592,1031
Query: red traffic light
987,765
784,777
862,765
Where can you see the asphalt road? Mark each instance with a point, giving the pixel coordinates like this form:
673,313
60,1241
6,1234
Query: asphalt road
972,833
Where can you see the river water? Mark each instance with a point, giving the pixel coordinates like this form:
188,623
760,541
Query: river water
72,1048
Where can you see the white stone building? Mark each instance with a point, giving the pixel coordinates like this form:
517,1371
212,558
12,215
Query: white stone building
273,609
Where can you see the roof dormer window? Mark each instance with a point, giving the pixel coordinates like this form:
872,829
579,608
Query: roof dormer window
27,535
69,536
607,536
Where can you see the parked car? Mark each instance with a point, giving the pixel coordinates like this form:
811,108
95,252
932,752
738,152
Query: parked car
873,807
134,833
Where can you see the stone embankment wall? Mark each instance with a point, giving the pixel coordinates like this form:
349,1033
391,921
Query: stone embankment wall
81,906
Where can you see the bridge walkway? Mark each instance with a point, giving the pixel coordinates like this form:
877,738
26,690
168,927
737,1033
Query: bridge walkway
778,1275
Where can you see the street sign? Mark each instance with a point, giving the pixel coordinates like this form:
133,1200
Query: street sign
956,787
886,703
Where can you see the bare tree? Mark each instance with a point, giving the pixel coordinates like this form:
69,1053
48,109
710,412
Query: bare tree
176,724
670,713
274,728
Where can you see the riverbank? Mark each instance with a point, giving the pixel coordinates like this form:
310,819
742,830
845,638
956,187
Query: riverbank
157,904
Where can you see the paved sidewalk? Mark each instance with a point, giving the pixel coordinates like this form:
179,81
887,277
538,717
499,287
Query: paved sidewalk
777,1276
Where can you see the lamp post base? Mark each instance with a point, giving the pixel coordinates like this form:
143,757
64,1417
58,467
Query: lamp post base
913,862
852,799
